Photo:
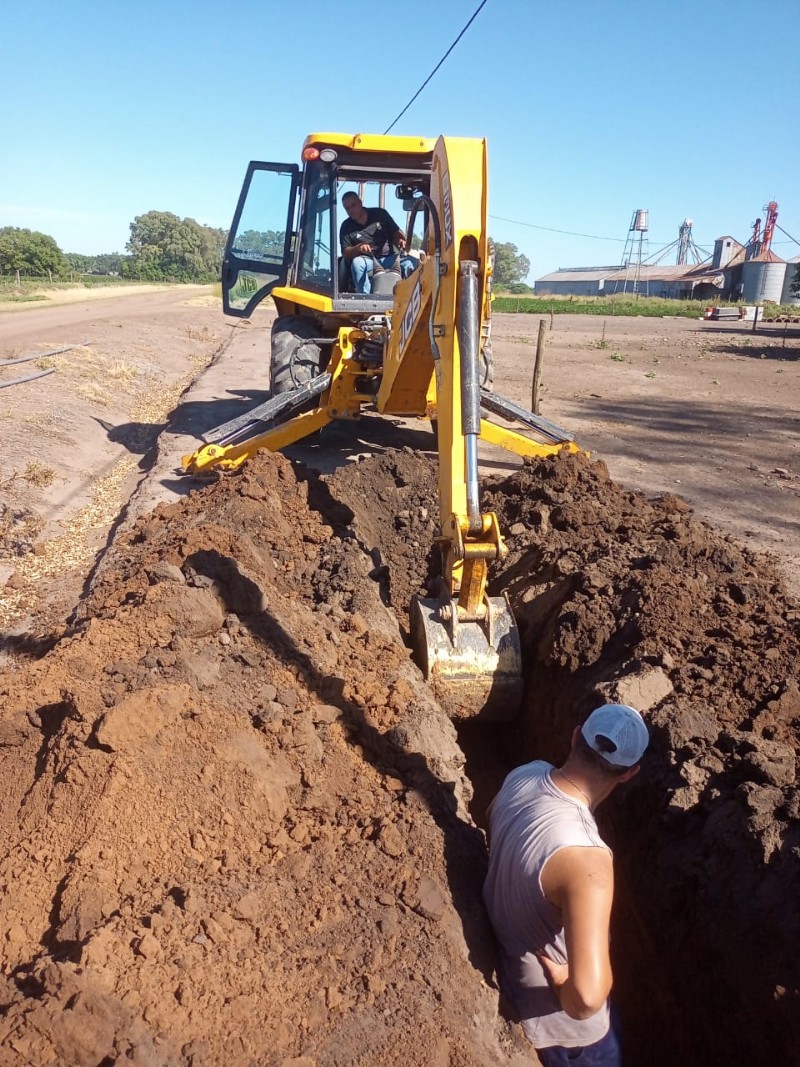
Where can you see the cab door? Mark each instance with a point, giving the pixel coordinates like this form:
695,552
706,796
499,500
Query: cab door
259,251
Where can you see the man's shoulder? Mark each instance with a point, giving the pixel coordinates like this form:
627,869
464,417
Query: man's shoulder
536,769
520,784
378,214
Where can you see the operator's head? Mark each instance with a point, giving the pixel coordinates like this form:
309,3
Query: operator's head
351,202
617,734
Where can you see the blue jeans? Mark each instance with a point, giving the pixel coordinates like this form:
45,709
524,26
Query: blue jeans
603,1053
361,269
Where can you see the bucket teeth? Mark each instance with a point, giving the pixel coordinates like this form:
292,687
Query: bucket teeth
473,667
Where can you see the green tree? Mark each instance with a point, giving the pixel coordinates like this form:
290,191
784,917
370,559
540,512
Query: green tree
78,263
104,263
510,266
165,247
30,252
257,243
107,263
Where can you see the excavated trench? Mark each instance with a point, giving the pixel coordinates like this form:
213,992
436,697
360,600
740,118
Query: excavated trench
623,598
237,826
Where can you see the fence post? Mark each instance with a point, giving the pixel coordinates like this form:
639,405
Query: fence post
537,368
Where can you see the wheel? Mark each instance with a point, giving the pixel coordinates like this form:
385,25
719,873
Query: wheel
294,360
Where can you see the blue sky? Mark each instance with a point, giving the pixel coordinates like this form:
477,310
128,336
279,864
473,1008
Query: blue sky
590,110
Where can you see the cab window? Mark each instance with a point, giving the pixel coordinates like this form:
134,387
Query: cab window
315,261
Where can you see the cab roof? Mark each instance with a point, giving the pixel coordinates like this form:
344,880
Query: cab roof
373,142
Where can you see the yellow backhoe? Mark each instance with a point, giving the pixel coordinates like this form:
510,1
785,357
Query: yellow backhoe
421,349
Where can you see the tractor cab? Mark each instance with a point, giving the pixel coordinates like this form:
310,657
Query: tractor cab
284,238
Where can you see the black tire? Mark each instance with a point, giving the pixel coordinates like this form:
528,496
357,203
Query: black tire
294,360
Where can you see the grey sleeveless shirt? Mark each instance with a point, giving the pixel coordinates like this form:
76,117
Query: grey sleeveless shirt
531,820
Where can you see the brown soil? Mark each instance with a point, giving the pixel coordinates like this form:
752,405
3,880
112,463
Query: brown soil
237,827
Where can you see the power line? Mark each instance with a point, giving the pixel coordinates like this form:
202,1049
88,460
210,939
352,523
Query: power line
571,233
444,57
787,234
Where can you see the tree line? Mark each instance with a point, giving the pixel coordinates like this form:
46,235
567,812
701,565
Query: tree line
164,247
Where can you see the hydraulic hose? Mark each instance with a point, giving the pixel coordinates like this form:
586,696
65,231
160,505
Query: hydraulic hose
469,343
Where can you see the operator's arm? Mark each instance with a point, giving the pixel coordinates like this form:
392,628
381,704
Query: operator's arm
580,881
398,237
346,242
352,251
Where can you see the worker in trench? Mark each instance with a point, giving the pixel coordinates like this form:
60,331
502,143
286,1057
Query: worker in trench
550,887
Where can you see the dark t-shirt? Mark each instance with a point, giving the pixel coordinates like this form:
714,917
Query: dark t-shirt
378,231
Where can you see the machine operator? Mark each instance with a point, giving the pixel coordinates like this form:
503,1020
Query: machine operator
367,238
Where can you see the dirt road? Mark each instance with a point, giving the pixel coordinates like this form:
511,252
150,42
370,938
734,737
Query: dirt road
236,827
74,444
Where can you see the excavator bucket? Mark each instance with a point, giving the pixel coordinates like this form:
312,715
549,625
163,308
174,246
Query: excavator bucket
474,668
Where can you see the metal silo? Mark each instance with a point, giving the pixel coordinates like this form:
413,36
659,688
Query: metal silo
792,274
762,280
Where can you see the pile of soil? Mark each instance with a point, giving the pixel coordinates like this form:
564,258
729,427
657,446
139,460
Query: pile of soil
234,818
623,598
237,828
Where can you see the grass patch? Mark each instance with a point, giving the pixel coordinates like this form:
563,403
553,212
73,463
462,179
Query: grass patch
123,372
93,393
10,297
38,474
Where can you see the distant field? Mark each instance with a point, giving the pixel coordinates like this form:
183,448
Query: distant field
32,289
652,306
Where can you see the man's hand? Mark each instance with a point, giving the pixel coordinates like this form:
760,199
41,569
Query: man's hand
401,241
556,973
357,250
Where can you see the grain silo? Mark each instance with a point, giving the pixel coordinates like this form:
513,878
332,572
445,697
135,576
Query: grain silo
792,275
762,279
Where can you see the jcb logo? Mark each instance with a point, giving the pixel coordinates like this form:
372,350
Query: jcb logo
447,204
410,316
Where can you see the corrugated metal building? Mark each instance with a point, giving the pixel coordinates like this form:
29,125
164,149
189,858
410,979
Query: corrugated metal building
675,282
574,281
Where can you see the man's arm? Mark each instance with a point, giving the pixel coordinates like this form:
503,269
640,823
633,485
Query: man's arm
349,249
357,250
580,881
398,238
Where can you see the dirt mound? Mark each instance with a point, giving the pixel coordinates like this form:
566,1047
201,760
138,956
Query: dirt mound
621,597
235,822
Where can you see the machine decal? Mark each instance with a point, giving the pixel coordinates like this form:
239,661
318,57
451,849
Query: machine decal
448,210
411,314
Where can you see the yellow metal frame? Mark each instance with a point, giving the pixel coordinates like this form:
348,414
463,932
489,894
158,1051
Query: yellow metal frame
412,381
373,142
